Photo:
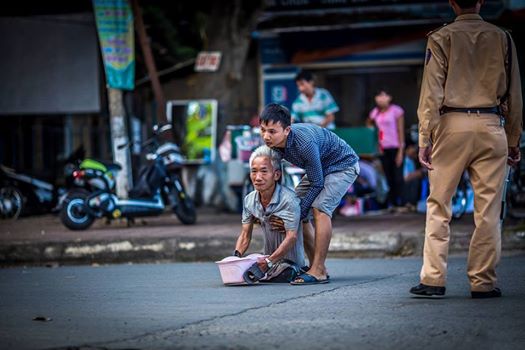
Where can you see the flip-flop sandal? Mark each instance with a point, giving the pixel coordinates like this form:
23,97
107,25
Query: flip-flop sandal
306,280
306,268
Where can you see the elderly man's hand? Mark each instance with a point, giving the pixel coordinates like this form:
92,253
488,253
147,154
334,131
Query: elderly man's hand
262,264
277,224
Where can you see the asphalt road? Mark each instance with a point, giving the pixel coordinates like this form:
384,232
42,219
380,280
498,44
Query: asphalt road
184,305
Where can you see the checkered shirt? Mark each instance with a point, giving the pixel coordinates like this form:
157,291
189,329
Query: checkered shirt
319,152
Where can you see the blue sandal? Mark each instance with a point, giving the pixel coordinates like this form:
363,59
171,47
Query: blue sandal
306,279
306,268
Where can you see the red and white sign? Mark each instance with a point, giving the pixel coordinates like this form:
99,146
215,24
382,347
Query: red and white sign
208,61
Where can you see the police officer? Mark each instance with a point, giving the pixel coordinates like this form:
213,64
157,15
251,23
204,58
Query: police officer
470,118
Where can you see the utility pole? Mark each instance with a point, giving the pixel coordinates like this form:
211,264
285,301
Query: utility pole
119,136
114,20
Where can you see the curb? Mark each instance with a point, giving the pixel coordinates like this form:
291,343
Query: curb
183,249
118,251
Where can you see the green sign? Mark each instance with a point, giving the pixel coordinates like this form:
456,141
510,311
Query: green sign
115,31
197,122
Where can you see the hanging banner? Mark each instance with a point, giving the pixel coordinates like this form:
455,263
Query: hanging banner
114,20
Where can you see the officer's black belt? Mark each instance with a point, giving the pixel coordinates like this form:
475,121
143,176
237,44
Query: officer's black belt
488,110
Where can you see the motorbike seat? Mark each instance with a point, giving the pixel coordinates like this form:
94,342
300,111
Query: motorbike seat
111,166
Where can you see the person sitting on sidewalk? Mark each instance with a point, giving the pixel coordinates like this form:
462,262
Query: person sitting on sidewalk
268,201
331,166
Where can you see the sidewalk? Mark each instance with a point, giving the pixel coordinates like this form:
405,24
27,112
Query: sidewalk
41,240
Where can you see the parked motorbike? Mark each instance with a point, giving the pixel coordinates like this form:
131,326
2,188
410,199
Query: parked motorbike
159,185
22,194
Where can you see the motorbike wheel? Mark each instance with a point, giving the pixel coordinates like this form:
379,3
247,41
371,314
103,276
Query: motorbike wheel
11,203
183,207
459,204
74,214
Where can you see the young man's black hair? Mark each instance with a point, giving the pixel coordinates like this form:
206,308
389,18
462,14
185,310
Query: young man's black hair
304,75
276,113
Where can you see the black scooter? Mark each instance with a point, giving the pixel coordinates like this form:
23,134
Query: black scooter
159,185
23,194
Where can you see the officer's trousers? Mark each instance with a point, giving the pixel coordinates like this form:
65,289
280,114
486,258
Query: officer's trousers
476,143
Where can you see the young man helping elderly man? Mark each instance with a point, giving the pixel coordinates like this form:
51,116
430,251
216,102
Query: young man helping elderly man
331,166
285,253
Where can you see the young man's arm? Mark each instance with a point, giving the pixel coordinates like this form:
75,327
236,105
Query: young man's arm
314,171
243,242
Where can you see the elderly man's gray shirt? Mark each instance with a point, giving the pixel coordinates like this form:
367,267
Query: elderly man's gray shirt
285,205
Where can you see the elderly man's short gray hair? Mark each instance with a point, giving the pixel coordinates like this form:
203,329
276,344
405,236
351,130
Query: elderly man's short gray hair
265,151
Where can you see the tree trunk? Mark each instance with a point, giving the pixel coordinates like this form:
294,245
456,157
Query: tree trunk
228,31
150,62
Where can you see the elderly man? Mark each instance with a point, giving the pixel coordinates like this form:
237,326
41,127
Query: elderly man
271,200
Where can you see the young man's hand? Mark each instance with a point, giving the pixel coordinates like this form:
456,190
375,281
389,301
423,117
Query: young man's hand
277,224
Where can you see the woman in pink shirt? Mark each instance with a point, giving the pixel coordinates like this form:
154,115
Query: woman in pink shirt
389,120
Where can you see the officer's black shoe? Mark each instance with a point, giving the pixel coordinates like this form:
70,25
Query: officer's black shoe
427,291
495,293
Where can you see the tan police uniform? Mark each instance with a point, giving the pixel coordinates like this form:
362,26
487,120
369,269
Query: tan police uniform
465,67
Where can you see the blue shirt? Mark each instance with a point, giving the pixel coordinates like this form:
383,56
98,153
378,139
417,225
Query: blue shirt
319,152
285,205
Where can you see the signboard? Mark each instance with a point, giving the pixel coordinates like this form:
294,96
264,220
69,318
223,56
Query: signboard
208,61
114,20
279,86
196,121
35,78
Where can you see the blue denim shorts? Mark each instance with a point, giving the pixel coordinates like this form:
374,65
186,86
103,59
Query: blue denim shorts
335,187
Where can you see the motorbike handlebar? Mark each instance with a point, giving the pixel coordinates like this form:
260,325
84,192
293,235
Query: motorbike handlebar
125,145
157,130
162,128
